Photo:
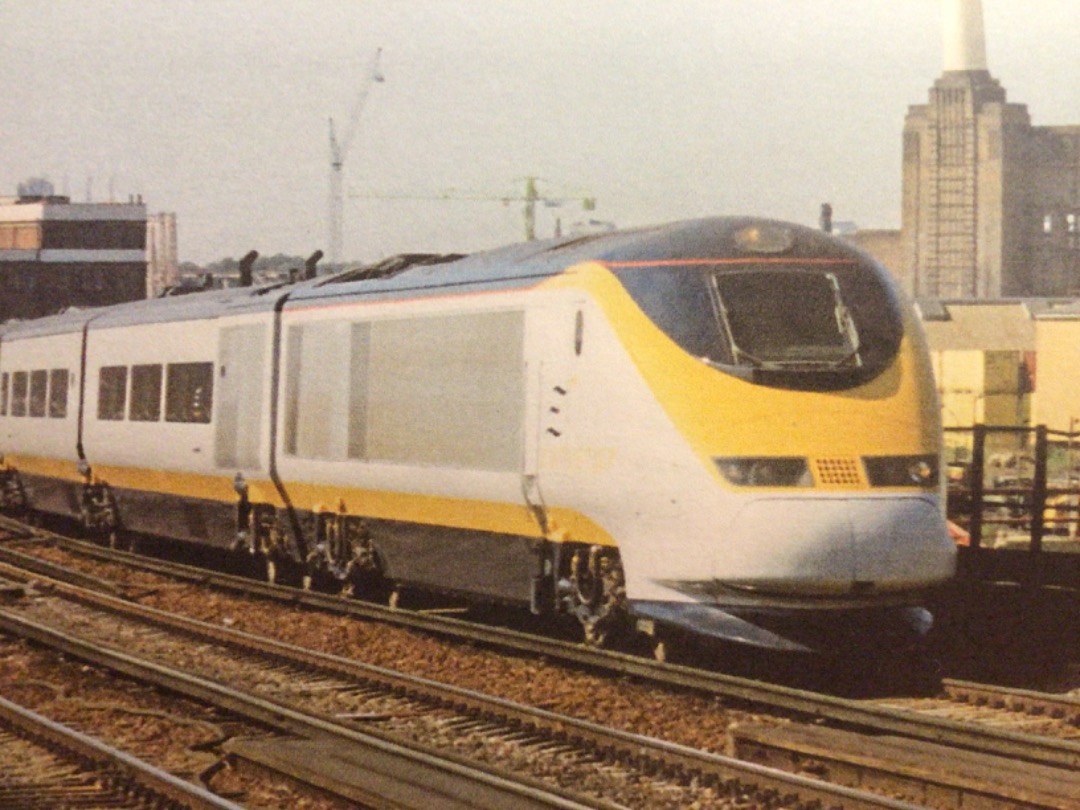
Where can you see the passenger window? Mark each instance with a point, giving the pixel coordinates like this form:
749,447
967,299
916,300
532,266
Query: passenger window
189,392
39,387
112,393
20,386
58,393
145,393
4,393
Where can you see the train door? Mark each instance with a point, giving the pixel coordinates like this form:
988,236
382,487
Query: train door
241,377
553,350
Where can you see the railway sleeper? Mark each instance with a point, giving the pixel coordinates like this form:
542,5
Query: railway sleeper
914,770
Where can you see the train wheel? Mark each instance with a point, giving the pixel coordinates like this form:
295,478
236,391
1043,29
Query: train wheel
278,571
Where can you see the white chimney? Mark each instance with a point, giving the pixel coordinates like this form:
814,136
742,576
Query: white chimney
965,37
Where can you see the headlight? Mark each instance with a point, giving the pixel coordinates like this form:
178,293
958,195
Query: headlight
902,471
765,471
768,237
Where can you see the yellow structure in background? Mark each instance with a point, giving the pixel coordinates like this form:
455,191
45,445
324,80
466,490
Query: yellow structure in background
1057,403
983,353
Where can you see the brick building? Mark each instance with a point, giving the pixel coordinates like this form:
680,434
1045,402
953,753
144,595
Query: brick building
990,202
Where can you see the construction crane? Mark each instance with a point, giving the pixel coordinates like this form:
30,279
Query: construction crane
530,197
339,151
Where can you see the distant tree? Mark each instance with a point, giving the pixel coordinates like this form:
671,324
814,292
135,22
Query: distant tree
279,265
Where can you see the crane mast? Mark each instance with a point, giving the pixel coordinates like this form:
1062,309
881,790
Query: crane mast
339,152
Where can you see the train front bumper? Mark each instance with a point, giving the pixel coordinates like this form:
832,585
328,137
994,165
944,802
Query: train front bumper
790,631
808,574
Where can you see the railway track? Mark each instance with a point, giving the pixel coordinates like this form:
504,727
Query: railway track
1036,704
48,765
321,698
1026,752
925,719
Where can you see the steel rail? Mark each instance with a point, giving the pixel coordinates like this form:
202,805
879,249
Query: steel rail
110,763
432,769
408,777
811,705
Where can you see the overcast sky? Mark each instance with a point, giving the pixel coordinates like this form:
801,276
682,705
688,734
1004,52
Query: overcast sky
660,109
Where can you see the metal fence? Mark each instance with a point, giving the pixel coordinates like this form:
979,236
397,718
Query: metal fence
1024,495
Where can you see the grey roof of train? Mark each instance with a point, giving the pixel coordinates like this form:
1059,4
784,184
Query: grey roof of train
502,268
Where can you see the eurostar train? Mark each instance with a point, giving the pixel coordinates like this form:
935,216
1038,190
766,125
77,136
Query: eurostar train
724,427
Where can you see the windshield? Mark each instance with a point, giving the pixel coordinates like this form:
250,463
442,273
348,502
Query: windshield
785,319
799,323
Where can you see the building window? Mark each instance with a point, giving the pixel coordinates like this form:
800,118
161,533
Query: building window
145,393
58,393
39,387
112,393
189,392
20,387
20,236
4,393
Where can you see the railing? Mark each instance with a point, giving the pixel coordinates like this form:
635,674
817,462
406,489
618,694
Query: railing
974,505
1026,504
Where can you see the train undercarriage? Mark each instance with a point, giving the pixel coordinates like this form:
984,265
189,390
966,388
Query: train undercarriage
331,549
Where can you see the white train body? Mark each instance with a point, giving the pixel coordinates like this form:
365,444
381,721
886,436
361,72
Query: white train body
531,426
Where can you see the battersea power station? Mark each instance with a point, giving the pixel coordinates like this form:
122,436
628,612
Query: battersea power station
991,203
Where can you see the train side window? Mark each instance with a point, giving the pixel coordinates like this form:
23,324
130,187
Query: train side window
20,387
39,388
189,392
112,393
145,393
58,393
4,393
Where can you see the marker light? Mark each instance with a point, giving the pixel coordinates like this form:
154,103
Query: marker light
764,471
765,238
902,471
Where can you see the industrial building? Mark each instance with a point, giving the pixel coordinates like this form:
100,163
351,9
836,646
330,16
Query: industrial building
162,259
984,358
1057,337
991,203
56,254
1007,363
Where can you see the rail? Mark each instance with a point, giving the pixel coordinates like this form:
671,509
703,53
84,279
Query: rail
80,771
845,713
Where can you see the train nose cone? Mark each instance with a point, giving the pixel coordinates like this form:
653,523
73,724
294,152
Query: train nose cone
834,546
